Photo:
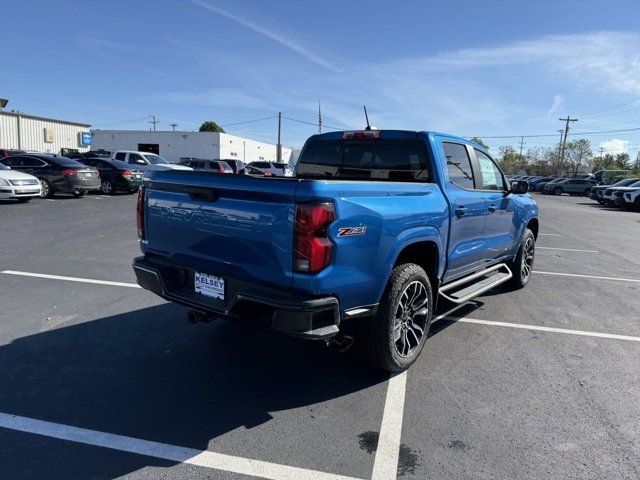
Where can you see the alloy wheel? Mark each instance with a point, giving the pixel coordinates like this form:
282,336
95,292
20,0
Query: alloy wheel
44,189
410,319
528,254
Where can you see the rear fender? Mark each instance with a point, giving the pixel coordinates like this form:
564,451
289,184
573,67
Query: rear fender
407,238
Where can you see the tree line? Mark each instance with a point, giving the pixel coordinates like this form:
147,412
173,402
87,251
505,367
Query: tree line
578,158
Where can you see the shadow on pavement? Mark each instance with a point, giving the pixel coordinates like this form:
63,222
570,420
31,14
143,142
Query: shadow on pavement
150,374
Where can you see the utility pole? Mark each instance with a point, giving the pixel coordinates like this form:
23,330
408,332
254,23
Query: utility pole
566,133
279,146
319,118
521,144
601,151
154,121
173,127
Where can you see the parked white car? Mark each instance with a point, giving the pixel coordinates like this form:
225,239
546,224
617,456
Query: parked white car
628,196
18,185
146,161
274,168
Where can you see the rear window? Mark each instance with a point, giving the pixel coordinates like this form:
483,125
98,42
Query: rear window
66,162
386,159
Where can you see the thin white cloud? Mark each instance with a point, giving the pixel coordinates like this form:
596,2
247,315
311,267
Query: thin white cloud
292,44
615,146
558,102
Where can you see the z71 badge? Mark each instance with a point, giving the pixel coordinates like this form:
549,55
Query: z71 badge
351,231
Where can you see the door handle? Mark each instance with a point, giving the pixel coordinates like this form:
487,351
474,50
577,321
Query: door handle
460,210
492,208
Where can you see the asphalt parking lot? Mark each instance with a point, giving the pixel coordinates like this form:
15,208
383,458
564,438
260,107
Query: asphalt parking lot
105,380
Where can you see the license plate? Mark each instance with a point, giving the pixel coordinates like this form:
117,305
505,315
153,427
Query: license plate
137,176
209,285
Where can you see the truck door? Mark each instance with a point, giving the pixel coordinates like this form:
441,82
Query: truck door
468,211
500,227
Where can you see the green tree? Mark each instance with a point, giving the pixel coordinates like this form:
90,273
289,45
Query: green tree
636,165
509,159
479,141
211,126
623,162
578,154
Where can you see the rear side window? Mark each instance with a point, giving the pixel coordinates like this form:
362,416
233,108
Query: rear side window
121,156
67,162
458,164
384,159
491,174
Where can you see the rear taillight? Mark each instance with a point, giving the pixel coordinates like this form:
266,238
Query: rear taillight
140,213
69,172
222,170
126,173
312,248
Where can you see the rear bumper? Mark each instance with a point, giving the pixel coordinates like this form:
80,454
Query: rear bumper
280,309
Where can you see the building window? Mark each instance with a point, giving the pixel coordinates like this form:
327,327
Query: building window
260,158
233,154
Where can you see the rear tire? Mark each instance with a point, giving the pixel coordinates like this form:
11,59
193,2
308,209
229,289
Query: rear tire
46,190
107,187
393,339
522,265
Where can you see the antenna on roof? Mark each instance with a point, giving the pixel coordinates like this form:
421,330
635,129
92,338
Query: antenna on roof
367,117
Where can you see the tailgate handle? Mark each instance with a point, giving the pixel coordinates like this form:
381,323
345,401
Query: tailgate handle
202,194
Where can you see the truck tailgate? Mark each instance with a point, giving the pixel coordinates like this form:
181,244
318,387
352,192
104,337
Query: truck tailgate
221,223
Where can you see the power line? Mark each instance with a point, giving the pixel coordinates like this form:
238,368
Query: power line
248,121
311,123
610,107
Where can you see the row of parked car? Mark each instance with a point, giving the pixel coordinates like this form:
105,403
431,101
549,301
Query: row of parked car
25,175
625,193
557,185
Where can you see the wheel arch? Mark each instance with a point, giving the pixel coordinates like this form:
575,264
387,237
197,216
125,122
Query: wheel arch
534,225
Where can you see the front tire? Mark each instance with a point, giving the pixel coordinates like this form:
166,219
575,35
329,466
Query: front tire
80,193
522,265
557,191
394,338
24,200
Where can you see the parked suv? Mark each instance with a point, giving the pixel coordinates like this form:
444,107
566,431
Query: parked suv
146,161
207,165
277,169
598,192
572,186
56,174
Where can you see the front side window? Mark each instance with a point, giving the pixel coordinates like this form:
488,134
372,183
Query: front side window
458,164
491,174
121,156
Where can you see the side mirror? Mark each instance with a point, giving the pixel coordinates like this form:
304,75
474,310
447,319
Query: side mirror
519,187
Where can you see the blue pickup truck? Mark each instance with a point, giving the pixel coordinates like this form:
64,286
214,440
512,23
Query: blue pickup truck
374,227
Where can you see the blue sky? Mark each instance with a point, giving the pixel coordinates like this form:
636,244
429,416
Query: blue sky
464,67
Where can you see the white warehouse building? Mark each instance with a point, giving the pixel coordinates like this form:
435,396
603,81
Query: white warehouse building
48,135
176,145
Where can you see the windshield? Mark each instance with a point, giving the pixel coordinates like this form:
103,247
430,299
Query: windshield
387,159
154,159
625,182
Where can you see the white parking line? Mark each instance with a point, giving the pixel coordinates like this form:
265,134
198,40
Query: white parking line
544,329
566,249
201,458
549,234
594,277
71,279
385,465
